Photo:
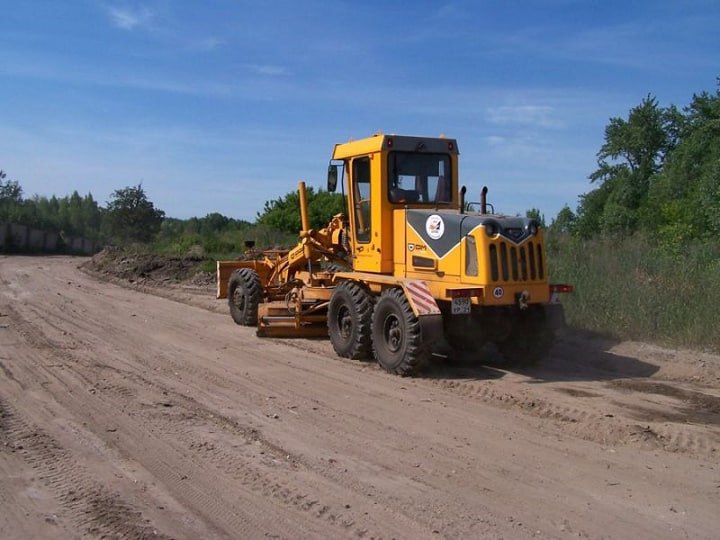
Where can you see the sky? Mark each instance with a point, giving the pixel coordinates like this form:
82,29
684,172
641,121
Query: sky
219,106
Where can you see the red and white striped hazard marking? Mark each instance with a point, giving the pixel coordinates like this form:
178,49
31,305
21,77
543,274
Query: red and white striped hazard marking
420,297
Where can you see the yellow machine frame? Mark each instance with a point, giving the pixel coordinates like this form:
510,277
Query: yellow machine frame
435,252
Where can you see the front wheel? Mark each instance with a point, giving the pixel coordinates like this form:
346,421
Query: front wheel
244,295
396,335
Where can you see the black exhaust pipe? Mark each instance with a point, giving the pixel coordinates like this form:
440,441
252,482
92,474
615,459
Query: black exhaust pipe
462,199
483,200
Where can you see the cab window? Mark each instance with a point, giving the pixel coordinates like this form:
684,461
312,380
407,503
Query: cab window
419,178
361,196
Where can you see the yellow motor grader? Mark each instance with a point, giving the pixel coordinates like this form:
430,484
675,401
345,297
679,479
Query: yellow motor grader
408,264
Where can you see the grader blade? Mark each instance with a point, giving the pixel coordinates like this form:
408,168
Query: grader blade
275,320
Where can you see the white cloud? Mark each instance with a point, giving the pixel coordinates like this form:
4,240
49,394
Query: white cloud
270,70
206,44
494,140
129,19
526,115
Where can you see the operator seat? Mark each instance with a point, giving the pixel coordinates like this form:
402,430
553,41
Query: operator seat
406,196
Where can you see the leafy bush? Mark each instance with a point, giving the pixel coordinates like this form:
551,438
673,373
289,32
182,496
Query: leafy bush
283,214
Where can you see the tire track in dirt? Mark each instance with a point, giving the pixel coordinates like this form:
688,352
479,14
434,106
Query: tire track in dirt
203,377
83,368
96,510
9,374
587,424
582,421
189,427
699,401
188,414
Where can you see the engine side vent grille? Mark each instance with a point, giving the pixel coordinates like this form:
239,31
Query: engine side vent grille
516,263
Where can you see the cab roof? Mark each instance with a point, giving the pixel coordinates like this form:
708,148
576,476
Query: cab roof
402,143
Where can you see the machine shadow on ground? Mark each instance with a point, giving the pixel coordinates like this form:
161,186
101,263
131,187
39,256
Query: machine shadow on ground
576,356
587,356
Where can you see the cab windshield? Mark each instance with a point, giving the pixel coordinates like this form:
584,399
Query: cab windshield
416,178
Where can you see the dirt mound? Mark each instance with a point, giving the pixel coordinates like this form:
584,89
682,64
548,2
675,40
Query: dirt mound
138,266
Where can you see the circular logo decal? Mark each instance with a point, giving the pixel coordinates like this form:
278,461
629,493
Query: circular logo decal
498,292
435,227
411,247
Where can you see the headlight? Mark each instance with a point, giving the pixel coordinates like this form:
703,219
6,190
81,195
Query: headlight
491,229
533,228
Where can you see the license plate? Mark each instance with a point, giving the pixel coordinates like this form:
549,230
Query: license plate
460,306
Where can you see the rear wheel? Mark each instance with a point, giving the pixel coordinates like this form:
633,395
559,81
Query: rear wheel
244,295
349,318
530,340
396,335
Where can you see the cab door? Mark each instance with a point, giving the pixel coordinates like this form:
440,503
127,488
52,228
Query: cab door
363,206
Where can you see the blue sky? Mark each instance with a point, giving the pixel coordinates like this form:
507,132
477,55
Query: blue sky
218,106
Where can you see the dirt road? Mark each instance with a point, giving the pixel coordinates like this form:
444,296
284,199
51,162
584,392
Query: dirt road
129,415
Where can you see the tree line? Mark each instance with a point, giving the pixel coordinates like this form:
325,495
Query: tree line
658,173
128,217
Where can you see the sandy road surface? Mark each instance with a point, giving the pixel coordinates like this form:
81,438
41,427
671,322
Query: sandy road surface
129,415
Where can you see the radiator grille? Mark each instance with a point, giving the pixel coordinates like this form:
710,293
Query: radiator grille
509,262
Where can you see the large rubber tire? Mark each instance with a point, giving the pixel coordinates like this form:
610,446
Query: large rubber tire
334,267
397,336
530,340
349,319
244,295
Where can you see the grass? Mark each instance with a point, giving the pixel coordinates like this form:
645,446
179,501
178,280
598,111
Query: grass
634,289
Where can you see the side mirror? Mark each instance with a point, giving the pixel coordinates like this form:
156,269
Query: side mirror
332,178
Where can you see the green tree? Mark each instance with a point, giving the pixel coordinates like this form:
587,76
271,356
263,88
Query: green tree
283,214
91,217
10,190
588,222
131,217
633,153
11,201
534,213
685,200
564,222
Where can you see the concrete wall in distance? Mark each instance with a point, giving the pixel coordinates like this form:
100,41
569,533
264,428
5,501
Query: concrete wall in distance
77,244
4,233
36,239
23,238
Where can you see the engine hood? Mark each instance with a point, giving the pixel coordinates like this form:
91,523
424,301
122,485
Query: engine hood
442,231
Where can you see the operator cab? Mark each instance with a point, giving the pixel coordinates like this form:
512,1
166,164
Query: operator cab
387,173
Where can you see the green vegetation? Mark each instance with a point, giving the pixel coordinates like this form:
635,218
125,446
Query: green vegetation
283,214
207,237
643,248
131,219
658,173
634,288
129,215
